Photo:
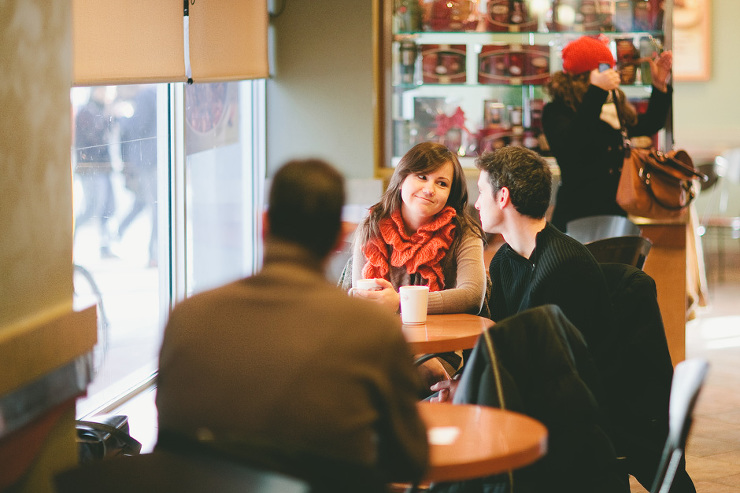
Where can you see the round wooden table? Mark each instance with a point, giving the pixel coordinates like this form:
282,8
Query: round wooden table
444,333
469,441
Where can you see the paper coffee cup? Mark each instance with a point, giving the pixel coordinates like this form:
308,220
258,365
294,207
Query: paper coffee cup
367,284
414,300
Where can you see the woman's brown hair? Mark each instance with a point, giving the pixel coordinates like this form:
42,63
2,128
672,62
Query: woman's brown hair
570,88
423,158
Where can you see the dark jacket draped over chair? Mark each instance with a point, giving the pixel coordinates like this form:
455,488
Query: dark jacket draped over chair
546,372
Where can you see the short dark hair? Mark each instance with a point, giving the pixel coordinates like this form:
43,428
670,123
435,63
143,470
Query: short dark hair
305,204
525,173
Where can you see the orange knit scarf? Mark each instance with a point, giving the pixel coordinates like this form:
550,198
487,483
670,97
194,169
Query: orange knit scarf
421,252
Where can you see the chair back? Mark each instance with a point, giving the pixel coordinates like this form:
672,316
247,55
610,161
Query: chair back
631,250
171,472
688,379
592,228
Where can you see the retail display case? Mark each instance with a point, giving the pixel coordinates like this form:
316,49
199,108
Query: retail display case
471,74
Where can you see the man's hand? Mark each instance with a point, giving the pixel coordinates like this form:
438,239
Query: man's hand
446,390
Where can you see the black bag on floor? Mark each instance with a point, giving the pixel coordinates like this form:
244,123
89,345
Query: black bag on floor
107,436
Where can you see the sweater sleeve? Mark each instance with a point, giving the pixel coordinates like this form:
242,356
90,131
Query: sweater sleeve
468,293
655,117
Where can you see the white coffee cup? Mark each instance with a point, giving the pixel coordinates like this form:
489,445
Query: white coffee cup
414,300
365,284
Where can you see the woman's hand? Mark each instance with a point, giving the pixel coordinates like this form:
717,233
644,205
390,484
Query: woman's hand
387,296
660,69
607,80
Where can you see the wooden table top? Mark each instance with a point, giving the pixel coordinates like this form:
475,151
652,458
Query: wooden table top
448,332
469,441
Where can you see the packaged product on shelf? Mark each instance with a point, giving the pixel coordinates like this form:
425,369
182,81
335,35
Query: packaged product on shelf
451,131
588,16
535,106
606,15
496,14
407,61
508,16
646,52
493,113
426,110
493,64
443,64
514,64
442,120
492,138
626,60
623,15
536,64
450,15
407,16
641,16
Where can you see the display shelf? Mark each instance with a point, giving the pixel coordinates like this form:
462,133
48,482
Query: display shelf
483,87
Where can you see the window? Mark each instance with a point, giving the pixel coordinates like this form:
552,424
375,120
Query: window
167,193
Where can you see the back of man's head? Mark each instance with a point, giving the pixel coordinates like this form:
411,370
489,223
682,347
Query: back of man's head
305,205
525,173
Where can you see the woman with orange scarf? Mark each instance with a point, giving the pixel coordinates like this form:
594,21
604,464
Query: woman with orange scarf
421,232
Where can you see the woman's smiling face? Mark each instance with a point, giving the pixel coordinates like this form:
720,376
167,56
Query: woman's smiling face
425,194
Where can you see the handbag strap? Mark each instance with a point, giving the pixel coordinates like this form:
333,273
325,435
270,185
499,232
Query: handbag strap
622,126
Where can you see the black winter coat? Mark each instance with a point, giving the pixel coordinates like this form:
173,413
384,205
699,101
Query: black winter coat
589,152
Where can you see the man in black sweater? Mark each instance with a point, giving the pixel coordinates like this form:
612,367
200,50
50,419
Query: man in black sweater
539,265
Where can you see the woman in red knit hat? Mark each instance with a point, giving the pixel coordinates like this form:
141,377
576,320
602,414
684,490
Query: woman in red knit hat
582,129
422,232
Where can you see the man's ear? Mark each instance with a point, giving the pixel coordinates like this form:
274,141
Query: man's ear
504,197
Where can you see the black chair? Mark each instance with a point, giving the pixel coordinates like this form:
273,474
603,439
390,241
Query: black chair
169,472
688,379
631,250
592,228
639,392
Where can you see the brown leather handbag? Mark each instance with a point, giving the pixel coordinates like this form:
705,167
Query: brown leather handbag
656,184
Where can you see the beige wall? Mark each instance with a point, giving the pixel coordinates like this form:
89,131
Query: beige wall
707,114
35,202
320,98
35,177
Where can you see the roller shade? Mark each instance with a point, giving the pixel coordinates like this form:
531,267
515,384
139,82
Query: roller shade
143,41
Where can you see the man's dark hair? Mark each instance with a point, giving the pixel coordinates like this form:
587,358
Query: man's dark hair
305,204
525,173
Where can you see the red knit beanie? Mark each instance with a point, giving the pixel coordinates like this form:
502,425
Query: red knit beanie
585,54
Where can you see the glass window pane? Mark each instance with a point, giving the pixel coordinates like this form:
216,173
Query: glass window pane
126,177
117,151
219,186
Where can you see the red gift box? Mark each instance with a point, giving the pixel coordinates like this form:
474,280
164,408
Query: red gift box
514,64
443,64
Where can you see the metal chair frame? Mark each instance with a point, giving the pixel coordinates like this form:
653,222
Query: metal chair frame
688,380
